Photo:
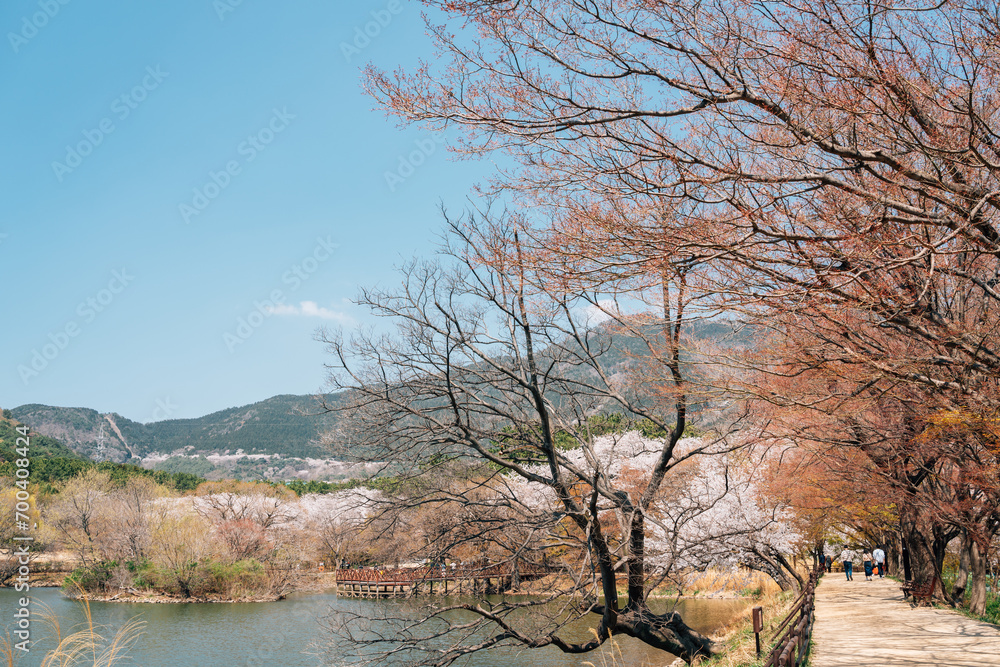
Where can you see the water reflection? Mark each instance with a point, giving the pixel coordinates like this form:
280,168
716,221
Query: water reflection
281,633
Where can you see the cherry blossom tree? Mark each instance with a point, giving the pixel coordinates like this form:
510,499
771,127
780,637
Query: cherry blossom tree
723,516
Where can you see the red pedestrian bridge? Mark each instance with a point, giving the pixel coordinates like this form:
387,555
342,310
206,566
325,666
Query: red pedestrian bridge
371,582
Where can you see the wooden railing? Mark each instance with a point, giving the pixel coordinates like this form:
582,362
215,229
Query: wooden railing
418,574
793,647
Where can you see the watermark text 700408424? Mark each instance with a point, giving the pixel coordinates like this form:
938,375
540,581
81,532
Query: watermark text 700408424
22,538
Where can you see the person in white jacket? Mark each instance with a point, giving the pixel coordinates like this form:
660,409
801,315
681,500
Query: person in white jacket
846,557
879,556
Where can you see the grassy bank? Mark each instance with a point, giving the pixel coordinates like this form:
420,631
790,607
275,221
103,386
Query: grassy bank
992,614
737,640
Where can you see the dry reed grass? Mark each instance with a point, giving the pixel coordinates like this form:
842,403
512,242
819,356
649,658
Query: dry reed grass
723,583
90,646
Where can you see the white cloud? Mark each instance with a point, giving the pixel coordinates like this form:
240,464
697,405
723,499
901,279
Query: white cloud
310,309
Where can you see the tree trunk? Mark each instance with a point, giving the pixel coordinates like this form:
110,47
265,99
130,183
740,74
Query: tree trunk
636,562
818,553
891,547
977,567
923,546
667,632
774,565
962,580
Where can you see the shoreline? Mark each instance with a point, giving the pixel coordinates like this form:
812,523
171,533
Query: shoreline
305,583
162,598
318,583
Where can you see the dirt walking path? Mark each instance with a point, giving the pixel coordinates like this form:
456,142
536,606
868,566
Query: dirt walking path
868,624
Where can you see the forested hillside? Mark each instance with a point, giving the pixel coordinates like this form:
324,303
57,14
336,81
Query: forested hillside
288,425
52,462
41,446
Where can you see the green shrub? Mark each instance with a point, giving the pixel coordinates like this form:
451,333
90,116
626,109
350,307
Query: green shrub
95,579
143,574
208,578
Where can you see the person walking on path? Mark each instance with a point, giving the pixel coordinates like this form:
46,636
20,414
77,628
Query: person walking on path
879,557
829,563
846,557
867,560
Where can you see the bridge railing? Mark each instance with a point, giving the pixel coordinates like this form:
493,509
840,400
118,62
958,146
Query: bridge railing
434,573
792,648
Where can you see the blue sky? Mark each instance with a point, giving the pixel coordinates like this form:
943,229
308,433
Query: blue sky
170,168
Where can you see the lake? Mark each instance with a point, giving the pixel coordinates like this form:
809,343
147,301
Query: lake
281,633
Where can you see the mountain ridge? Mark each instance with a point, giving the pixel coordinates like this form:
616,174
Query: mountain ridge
280,437
285,424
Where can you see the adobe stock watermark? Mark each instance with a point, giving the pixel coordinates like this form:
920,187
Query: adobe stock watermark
31,24
272,652
363,35
297,274
409,162
223,7
86,312
22,541
122,107
248,149
164,409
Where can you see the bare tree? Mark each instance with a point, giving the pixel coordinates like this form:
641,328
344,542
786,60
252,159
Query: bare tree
260,503
482,404
180,543
80,516
133,513
254,520
336,523
244,539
